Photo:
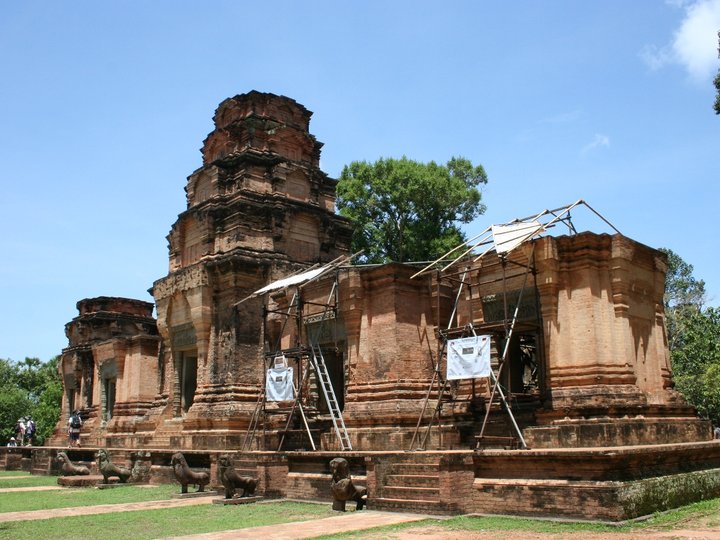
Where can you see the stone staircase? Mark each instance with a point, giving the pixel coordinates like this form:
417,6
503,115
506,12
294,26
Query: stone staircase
410,483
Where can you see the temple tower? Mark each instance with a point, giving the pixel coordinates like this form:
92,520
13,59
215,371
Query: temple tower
109,369
258,209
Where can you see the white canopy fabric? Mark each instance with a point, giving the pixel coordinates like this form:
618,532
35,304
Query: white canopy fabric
292,280
508,237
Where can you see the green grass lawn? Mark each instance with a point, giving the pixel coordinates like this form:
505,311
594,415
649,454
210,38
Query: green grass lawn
148,524
33,481
45,500
4,474
680,517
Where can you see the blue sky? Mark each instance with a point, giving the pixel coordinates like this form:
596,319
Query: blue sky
104,106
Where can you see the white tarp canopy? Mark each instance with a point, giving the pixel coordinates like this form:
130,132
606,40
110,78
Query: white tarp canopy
508,237
302,277
292,280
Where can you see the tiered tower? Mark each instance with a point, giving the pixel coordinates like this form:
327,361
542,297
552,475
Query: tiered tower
258,209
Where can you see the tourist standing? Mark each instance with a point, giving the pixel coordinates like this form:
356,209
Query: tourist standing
29,431
74,425
717,432
19,431
12,442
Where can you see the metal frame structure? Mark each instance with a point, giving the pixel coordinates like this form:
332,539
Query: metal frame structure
502,240
307,353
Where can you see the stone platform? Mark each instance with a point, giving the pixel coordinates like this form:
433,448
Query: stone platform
196,494
238,500
113,484
80,481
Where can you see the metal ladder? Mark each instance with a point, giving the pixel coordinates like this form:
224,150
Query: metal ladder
327,388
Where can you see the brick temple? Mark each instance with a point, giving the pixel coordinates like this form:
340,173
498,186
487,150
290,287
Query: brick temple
587,372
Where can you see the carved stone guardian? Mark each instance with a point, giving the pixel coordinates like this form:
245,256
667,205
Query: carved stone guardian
342,486
69,468
184,475
108,469
232,480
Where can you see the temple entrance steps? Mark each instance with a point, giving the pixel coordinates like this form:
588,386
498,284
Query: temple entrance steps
410,483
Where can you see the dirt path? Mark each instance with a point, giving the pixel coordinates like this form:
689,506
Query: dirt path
351,521
32,488
101,509
438,533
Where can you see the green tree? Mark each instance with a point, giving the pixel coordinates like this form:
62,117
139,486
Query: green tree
27,388
14,401
696,362
403,210
684,296
693,338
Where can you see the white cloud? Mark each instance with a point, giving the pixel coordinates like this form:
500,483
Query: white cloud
695,42
598,141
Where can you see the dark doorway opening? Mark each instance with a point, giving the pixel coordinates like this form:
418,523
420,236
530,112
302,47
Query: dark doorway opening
109,386
188,380
336,371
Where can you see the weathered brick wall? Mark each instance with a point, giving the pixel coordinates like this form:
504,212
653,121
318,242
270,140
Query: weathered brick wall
456,476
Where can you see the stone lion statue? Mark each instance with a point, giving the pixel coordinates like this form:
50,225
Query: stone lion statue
233,481
185,475
342,486
69,468
108,469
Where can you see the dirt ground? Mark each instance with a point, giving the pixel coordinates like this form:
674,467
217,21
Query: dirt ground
703,528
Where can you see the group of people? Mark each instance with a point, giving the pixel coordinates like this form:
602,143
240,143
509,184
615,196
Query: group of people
25,429
24,432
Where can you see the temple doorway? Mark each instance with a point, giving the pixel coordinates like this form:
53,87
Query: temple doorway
109,386
108,382
187,371
334,361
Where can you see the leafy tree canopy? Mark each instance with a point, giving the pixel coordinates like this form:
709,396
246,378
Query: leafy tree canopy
693,338
684,295
696,362
404,210
29,388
